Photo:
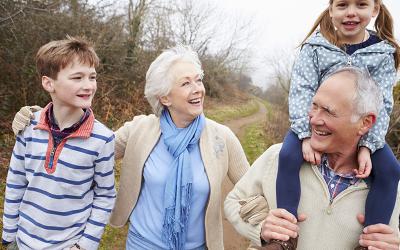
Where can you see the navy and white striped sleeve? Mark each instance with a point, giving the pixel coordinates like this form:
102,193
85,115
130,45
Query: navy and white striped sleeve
385,77
303,86
104,196
15,188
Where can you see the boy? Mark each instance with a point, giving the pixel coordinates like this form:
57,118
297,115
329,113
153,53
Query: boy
60,183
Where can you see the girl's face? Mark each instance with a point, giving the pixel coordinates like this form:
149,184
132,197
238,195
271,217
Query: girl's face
351,17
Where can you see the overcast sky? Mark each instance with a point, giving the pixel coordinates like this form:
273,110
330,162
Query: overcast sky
282,24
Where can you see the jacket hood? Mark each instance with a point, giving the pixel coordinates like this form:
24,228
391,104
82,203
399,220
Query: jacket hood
381,47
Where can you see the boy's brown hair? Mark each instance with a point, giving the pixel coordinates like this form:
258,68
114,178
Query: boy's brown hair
56,55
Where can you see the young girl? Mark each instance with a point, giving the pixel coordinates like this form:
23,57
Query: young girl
343,39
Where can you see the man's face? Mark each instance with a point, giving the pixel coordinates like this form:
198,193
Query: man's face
330,115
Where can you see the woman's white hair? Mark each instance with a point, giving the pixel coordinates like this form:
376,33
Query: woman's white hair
367,97
159,79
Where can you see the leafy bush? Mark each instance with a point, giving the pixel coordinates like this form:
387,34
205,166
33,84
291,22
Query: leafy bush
393,136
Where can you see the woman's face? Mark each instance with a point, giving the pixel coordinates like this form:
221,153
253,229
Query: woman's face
185,100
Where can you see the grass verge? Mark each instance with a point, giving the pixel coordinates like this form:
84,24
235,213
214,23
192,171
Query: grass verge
254,141
228,112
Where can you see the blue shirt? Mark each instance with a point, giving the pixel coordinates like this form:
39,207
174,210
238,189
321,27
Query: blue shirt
351,48
336,182
146,220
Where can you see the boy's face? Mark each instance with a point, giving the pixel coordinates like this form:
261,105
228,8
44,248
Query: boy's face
74,87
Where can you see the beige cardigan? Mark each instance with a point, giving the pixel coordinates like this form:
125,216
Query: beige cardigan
220,150
329,226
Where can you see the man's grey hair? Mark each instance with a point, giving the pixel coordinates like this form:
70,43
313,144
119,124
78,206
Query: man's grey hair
368,97
159,79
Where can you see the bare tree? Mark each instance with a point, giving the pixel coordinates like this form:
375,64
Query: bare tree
194,24
136,15
280,67
158,32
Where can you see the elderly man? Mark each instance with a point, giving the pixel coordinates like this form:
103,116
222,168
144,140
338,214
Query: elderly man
332,199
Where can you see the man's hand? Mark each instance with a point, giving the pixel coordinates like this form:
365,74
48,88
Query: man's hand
378,236
364,163
309,154
23,118
280,225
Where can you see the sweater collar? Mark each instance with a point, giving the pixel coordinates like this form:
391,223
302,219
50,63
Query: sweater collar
84,130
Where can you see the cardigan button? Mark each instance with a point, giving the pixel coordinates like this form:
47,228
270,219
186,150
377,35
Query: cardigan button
329,211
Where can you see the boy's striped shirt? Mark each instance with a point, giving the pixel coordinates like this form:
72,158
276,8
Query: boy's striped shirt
71,203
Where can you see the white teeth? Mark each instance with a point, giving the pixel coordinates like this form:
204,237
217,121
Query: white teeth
195,101
320,132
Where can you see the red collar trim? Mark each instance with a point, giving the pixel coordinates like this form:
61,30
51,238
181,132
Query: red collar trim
84,130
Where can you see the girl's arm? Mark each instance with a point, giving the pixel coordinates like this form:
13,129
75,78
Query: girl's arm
385,76
303,86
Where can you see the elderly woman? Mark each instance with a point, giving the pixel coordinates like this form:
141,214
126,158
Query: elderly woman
174,162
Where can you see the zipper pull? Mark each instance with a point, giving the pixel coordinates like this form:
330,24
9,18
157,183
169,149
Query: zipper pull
52,157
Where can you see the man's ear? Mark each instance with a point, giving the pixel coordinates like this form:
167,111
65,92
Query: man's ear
367,121
165,100
48,84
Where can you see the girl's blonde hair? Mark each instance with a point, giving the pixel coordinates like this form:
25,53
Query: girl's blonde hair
383,27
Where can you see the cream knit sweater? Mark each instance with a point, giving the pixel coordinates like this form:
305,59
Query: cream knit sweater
329,226
220,150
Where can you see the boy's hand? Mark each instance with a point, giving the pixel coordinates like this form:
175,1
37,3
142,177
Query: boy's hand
23,118
74,247
364,163
309,154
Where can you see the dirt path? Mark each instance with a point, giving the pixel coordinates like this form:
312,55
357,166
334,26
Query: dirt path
233,240
238,125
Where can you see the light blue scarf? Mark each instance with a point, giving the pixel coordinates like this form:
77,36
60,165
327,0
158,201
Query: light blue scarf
178,190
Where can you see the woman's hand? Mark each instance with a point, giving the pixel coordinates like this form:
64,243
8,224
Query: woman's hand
23,118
